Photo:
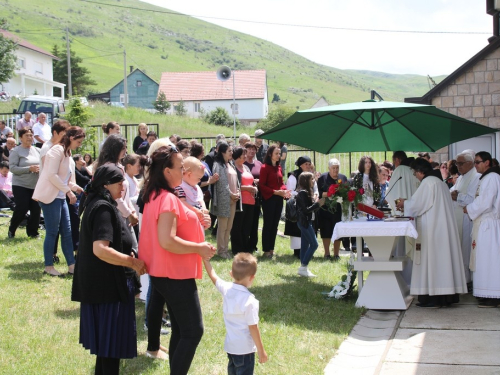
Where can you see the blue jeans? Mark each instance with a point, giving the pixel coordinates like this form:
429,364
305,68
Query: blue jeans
56,215
308,243
241,364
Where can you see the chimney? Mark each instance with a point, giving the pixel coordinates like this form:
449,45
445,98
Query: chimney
131,68
493,9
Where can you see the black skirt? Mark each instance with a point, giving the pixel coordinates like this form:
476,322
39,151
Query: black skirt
109,329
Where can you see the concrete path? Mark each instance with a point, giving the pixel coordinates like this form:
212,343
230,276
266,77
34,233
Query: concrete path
462,339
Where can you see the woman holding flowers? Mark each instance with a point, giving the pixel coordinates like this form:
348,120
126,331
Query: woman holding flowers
327,218
367,178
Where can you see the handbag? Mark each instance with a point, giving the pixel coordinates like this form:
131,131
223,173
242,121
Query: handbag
291,210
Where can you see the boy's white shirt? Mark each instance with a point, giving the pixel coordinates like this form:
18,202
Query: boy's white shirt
241,309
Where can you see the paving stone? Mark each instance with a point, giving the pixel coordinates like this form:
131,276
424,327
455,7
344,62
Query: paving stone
374,323
462,317
445,347
372,332
382,315
354,350
351,362
364,342
391,368
354,335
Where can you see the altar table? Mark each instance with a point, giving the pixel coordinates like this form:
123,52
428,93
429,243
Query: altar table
384,289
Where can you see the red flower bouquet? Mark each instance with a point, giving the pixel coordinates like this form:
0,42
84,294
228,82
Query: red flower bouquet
345,195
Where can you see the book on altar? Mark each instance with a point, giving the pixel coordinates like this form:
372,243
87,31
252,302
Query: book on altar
370,210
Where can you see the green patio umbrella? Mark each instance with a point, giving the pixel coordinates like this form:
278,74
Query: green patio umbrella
375,126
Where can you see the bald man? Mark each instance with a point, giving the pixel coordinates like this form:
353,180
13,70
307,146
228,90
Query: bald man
9,145
25,121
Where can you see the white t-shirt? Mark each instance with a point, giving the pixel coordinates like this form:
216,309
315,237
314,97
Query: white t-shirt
241,309
43,131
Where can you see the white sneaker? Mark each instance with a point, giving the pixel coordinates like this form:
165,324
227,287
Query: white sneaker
303,271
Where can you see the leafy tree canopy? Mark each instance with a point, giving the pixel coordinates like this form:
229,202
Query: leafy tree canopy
80,76
219,116
7,56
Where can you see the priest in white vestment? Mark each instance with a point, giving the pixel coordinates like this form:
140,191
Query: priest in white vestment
485,211
403,184
462,194
438,272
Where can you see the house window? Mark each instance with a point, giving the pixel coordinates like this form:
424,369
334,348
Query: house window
138,83
234,108
122,98
197,107
175,107
21,63
38,68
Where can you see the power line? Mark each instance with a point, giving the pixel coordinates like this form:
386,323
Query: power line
289,24
97,49
95,57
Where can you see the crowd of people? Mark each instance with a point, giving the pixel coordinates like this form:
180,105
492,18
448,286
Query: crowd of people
146,213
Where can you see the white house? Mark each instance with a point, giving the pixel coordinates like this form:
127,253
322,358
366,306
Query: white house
34,70
203,92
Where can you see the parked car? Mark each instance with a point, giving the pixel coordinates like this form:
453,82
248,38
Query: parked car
52,106
117,104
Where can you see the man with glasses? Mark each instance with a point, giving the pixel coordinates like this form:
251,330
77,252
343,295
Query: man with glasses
462,194
485,211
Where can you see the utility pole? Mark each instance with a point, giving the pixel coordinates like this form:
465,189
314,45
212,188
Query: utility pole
125,78
68,61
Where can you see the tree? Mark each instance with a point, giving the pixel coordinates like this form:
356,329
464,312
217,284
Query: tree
180,109
277,114
219,116
8,58
80,76
79,116
161,104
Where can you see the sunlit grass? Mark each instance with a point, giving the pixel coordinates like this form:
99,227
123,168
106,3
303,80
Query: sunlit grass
300,328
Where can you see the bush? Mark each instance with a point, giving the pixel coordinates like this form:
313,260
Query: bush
277,114
219,116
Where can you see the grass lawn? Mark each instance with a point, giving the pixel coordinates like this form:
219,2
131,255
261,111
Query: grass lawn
39,324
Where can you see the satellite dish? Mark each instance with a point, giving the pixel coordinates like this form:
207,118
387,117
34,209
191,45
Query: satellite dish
223,73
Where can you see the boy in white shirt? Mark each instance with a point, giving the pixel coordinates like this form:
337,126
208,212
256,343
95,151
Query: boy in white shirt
241,315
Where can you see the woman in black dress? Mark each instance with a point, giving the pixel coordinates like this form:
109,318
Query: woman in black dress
105,280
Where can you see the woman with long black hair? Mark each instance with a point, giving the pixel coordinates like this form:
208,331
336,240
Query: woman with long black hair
367,178
273,193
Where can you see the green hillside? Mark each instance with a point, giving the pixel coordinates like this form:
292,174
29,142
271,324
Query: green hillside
158,42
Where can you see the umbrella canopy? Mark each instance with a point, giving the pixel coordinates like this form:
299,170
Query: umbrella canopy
375,126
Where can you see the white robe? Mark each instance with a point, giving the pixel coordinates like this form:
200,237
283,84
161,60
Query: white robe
437,267
485,211
403,188
465,224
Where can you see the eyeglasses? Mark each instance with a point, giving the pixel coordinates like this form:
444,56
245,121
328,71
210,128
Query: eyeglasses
478,161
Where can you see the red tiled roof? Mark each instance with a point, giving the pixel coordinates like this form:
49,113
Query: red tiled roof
25,44
189,86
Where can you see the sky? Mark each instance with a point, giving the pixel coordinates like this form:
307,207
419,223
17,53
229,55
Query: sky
390,52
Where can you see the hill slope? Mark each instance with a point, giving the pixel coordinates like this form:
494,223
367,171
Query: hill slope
157,42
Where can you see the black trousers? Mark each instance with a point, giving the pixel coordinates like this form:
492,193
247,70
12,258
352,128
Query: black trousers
184,309
271,211
107,366
5,201
254,230
24,203
240,232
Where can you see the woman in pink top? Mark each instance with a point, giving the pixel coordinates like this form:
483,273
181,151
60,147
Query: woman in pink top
172,246
56,182
242,223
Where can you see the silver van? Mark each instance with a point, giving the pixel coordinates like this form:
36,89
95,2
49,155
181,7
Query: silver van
52,106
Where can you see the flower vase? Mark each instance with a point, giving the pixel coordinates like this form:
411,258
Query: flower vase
346,212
